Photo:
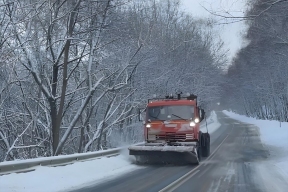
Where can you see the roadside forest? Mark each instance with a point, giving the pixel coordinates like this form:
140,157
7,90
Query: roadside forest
258,78
73,73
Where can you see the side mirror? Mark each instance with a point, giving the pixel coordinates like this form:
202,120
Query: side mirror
201,114
140,118
139,115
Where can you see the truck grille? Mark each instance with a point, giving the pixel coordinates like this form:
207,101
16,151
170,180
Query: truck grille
175,137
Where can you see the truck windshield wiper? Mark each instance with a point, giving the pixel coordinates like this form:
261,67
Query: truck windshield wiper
180,117
156,117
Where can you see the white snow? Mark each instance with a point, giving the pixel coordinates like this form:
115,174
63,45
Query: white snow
274,137
65,178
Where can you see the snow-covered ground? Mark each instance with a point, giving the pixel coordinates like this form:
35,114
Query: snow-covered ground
80,174
62,178
274,136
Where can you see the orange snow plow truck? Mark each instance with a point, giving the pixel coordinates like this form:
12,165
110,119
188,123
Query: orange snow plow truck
171,130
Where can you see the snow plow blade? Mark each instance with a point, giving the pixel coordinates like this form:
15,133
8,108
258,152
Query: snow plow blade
164,154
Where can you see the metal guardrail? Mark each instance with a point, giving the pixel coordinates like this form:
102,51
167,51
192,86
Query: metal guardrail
31,164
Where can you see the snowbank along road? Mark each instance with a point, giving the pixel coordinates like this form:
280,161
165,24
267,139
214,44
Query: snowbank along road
236,152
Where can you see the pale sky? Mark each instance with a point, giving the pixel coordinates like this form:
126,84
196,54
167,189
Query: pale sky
230,33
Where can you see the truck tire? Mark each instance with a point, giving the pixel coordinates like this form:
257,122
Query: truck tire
205,144
199,153
137,160
199,147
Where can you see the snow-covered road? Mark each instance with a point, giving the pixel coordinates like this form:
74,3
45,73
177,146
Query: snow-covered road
273,173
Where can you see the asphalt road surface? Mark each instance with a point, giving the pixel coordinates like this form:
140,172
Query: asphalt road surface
235,147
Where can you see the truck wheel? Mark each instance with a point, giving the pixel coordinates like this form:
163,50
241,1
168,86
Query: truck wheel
199,154
137,160
205,142
199,147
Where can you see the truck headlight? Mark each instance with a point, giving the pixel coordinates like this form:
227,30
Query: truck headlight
192,124
148,125
197,120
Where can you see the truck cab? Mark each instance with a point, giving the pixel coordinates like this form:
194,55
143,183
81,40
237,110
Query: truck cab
172,120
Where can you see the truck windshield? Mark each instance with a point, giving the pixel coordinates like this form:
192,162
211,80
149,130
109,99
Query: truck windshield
172,112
